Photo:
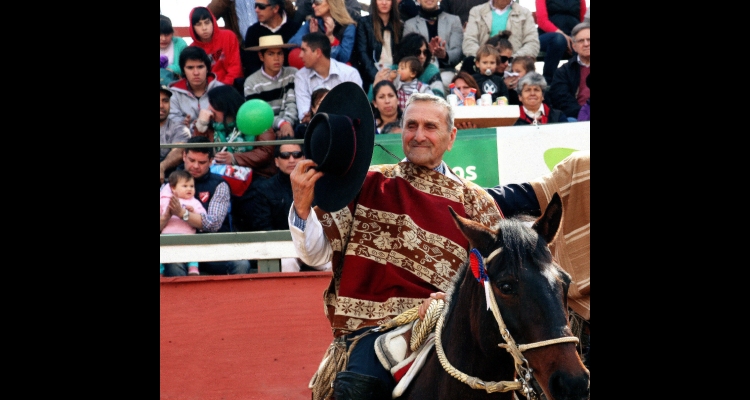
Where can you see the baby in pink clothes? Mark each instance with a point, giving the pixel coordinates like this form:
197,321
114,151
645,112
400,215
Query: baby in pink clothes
182,184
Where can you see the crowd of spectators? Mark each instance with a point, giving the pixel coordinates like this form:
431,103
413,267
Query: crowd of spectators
291,57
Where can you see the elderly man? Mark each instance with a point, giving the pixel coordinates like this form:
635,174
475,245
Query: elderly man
382,243
569,91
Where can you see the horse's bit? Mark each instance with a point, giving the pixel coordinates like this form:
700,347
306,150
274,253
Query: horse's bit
523,369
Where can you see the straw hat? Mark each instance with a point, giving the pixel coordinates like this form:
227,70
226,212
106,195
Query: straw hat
271,42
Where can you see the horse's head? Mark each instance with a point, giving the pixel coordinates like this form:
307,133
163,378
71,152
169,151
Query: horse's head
530,291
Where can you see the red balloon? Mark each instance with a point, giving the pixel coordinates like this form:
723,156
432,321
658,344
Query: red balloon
295,60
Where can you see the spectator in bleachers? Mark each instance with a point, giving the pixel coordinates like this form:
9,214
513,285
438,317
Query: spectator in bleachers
520,66
274,84
320,70
169,132
271,200
408,9
218,122
460,8
214,194
332,20
272,20
531,89
174,216
555,20
315,99
378,38
220,44
443,32
407,82
385,106
305,9
495,16
414,44
170,46
188,93
486,77
463,82
568,91
237,16
585,113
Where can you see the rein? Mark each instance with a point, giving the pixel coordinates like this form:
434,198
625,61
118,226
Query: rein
521,364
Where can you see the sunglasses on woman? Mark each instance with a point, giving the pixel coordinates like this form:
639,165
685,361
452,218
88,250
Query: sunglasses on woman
286,154
318,2
505,59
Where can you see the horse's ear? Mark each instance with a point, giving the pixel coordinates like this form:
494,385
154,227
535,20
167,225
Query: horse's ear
478,235
548,224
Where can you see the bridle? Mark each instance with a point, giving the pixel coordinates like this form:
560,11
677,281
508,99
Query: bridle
524,371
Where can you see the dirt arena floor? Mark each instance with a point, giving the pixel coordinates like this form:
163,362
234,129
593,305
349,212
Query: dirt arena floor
255,336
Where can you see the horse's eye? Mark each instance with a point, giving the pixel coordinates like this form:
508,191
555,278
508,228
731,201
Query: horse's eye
506,288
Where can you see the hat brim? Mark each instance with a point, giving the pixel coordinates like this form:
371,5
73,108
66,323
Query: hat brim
276,46
333,192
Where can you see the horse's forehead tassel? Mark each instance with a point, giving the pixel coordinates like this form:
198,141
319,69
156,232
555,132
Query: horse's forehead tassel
476,261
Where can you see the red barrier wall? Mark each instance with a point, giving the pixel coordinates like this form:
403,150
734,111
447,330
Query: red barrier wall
258,336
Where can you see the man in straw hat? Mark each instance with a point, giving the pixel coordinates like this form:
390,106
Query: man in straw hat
377,225
274,84
272,20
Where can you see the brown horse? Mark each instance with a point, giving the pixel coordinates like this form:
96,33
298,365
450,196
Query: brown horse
530,292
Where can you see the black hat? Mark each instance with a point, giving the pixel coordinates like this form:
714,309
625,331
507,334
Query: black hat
340,139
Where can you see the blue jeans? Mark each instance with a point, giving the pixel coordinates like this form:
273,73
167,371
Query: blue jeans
554,45
210,268
363,359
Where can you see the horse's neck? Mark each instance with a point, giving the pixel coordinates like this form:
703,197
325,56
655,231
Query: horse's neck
471,337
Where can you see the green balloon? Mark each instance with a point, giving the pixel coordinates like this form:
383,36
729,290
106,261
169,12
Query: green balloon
254,117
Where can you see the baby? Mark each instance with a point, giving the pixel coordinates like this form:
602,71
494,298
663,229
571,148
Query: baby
487,80
182,184
407,82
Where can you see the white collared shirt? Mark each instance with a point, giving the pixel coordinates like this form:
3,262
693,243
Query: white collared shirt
306,80
276,29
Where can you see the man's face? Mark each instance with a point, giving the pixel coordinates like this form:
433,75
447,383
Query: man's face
309,56
196,72
287,165
204,29
163,106
429,5
264,16
426,137
582,43
501,4
196,163
272,60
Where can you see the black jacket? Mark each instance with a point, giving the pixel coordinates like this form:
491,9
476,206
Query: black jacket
270,201
564,89
368,50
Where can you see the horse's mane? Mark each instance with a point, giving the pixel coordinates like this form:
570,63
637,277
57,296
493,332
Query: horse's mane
519,242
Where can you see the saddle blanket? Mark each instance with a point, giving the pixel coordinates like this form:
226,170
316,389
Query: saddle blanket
395,354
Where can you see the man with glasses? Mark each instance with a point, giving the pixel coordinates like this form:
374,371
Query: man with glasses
271,199
568,91
272,20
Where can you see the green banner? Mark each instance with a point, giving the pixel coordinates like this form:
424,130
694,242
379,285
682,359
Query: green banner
473,157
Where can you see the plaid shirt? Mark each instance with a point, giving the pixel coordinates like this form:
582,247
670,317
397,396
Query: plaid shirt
406,89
